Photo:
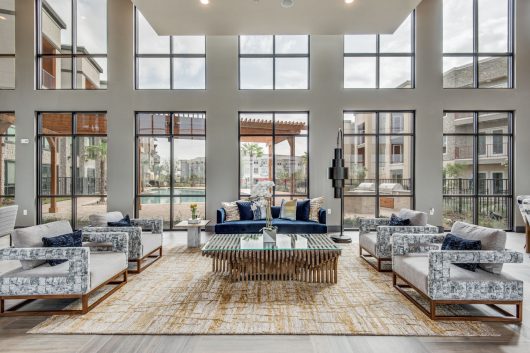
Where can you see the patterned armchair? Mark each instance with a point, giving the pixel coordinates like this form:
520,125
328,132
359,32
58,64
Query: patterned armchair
419,265
375,237
86,270
145,237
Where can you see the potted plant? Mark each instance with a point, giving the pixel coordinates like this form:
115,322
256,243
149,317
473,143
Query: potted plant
262,198
194,214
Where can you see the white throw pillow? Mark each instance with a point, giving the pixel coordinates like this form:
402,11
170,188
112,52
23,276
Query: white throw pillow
417,218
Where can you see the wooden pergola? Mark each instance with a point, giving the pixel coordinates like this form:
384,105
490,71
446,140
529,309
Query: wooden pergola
261,131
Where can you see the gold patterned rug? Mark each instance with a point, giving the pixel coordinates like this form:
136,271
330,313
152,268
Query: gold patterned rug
180,295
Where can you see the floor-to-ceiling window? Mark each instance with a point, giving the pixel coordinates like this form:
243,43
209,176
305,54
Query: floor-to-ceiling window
168,62
379,152
7,48
170,165
478,168
7,158
274,62
381,61
72,166
478,43
71,44
274,146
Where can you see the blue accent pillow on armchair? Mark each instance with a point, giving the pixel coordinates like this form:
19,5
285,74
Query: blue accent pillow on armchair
398,221
71,240
453,242
125,222
245,210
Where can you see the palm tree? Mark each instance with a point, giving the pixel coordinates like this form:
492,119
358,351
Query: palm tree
252,150
99,153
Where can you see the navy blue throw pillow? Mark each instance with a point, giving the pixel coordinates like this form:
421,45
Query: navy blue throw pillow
125,222
245,210
453,242
71,240
302,210
398,221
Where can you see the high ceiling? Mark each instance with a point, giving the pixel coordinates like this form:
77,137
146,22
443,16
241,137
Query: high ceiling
233,17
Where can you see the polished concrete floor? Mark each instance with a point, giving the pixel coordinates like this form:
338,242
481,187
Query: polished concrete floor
514,338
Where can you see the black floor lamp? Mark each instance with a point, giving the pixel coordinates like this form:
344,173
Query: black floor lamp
338,174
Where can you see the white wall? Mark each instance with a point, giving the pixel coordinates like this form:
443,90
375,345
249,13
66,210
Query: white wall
326,101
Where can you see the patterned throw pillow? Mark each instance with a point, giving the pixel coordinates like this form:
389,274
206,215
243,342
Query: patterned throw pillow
398,221
71,240
231,210
314,208
453,242
260,212
288,210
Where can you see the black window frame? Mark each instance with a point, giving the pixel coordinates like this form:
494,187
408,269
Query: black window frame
73,56
274,56
73,196
378,55
273,136
477,186
476,54
170,56
377,143
10,55
5,139
171,136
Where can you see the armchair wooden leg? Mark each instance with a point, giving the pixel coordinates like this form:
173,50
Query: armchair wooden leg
139,262
84,303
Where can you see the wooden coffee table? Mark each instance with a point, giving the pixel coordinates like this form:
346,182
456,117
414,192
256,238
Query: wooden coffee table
316,264
194,232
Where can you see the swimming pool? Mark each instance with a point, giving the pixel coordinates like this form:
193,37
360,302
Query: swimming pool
188,198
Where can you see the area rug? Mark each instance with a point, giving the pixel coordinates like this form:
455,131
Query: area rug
180,295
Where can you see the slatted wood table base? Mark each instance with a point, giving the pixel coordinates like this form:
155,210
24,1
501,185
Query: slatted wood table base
311,265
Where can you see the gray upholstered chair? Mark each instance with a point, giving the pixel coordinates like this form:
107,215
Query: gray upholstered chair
419,265
375,236
8,218
86,270
145,237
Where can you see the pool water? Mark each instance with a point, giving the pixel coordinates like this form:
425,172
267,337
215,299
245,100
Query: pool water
188,198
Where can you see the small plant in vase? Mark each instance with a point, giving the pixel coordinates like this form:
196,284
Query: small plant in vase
262,198
194,214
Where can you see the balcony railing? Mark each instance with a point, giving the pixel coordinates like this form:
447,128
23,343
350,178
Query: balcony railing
83,186
484,151
461,186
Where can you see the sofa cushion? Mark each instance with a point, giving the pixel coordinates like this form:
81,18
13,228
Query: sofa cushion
491,239
245,210
70,240
31,237
286,227
417,218
288,210
114,216
398,221
150,242
453,242
98,220
303,210
104,265
315,206
239,227
124,222
231,210
367,241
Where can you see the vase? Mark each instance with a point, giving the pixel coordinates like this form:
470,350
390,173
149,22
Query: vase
269,235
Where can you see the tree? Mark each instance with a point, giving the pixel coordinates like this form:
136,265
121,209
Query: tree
252,150
96,153
453,170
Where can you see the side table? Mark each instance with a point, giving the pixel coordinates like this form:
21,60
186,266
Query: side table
194,232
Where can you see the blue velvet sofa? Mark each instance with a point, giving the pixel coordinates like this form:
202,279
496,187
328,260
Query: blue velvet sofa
284,226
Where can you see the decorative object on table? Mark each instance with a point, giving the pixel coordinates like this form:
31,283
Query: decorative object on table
300,241
251,242
262,197
284,241
338,173
194,215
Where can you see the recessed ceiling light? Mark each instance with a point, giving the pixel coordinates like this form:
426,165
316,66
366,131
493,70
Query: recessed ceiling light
3,18
287,3
349,1
205,2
